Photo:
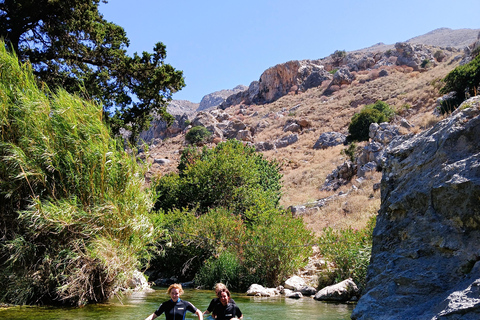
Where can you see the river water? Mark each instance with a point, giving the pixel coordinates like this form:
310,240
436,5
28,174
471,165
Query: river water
140,305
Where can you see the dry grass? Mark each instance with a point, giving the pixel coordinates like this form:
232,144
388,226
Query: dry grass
412,94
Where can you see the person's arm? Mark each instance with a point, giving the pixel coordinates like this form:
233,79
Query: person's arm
153,316
206,312
199,314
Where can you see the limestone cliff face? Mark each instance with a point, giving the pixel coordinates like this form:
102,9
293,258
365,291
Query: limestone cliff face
426,248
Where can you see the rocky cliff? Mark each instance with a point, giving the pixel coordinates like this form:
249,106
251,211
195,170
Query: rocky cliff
213,99
426,245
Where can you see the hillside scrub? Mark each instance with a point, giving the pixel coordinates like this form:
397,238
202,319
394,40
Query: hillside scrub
223,206
373,113
75,220
464,81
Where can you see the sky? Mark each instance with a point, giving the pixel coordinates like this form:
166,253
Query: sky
221,44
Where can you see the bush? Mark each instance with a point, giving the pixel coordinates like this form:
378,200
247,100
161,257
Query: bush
233,195
197,135
230,175
374,113
464,81
72,202
349,250
225,269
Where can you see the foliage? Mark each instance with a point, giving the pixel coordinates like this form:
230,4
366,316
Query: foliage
350,151
350,252
275,247
224,269
194,239
230,175
197,135
230,194
74,213
426,63
372,113
464,81
71,45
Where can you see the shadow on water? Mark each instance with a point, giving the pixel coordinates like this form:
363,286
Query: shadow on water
140,305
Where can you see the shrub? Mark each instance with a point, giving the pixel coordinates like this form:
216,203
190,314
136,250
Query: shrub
349,250
230,175
197,135
72,201
225,269
464,81
373,113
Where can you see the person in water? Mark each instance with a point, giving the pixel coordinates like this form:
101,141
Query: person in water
226,310
215,301
175,308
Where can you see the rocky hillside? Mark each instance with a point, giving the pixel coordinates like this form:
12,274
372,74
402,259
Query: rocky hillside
430,189
299,111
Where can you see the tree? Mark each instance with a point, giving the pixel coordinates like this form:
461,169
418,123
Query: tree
230,175
71,45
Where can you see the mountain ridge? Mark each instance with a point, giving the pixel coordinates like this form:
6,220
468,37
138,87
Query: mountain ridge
440,37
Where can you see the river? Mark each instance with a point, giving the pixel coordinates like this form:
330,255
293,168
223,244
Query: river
140,305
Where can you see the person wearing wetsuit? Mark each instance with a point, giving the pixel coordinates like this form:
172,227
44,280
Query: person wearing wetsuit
226,310
215,301
175,308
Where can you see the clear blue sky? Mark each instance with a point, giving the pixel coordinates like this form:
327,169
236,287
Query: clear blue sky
222,43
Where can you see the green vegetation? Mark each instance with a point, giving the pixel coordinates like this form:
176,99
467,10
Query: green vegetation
349,250
71,45
197,135
464,81
350,151
373,113
229,195
74,212
230,175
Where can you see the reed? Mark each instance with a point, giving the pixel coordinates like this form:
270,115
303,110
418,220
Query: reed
75,214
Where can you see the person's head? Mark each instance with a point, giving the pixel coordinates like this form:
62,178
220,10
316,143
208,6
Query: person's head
175,291
224,296
219,286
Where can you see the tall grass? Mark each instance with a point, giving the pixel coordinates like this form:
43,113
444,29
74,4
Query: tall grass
75,215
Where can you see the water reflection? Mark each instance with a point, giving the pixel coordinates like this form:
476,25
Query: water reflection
140,305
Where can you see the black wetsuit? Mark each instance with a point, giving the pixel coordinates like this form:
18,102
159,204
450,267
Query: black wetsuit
226,312
214,302
175,310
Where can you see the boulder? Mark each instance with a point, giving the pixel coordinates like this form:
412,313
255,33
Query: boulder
292,126
293,295
425,261
138,281
329,139
295,283
264,146
286,141
342,76
259,290
343,291
308,291
340,176
162,161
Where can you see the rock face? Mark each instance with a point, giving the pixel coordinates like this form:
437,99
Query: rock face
425,257
214,99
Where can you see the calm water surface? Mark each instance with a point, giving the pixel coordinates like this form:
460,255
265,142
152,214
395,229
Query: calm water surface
140,305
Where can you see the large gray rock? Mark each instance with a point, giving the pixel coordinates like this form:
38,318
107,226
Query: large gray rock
342,291
329,139
425,253
286,141
295,283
